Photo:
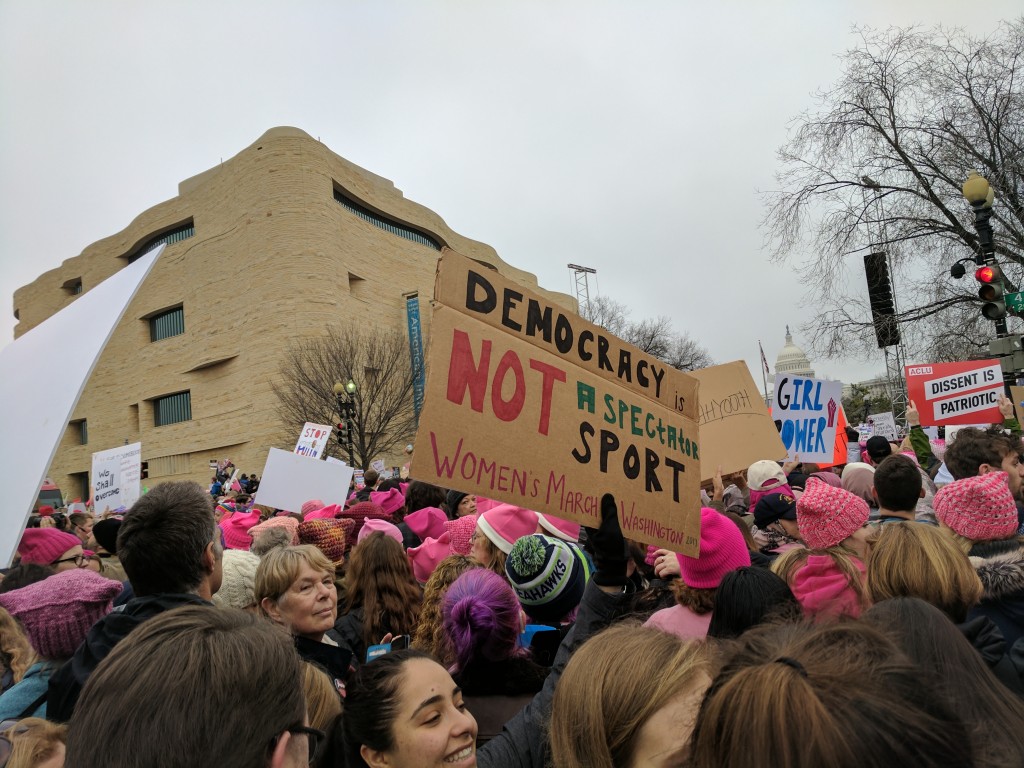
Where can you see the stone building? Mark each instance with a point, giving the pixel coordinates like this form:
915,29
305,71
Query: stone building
792,359
271,245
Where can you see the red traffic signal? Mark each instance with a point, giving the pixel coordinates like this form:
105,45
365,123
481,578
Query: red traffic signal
987,274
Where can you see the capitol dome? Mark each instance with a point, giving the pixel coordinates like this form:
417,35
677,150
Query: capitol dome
792,359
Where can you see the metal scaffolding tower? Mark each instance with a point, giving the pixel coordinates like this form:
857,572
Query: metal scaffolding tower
582,286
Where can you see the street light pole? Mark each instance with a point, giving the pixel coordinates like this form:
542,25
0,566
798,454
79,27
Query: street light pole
343,394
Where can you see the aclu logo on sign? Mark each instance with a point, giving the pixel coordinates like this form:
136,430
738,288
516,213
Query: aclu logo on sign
920,370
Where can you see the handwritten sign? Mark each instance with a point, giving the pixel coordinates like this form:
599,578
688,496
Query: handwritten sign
116,477
956,393
313,440
808,410
735,427
883,424
529,404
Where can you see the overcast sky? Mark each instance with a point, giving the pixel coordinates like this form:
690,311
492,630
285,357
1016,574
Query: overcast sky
631,137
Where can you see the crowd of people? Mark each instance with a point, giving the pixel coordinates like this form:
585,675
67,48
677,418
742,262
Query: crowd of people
864,614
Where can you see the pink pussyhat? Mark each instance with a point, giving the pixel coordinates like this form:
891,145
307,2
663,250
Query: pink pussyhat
483,504
390,501
426,556
378,525
427,523
979,508
556,526
460,534
311,506
236,529
329,512
290,524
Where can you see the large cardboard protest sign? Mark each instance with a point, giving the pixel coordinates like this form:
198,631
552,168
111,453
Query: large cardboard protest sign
808,410
313,440
532,405
289,480
1017,395
956,393
735,427
116,477
36,402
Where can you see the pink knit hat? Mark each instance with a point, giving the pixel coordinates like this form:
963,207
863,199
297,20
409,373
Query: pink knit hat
722,549
979,508
290,524
460,534
823,590
426,556
827,515
58,611
359,513
427,523
484,504
390,501
556,526
311,506
506,523
329,536
43,546
236,529
324,513
379,525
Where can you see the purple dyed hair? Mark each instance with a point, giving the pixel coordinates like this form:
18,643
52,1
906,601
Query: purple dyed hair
481,616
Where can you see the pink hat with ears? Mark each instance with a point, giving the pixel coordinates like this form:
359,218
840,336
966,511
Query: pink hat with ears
326,513
311,506
460,534
427,523
426,556
289,523
404,488
236,529
390,501
379,525
483,504
556,526
507,523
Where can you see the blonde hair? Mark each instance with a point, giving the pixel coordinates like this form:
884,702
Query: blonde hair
279,568
498,557
16,652
598,711
917,560
430,635
34,740
323,702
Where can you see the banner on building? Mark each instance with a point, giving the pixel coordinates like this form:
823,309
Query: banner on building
883,424
116,477
956,393
735,427
807,410
419,376
530,404
313,440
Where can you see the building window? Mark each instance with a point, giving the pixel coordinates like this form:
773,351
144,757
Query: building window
176,234
382,222
73,286
173,408
81,427
167,324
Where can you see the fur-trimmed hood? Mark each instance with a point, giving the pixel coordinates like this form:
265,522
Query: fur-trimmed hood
1000,565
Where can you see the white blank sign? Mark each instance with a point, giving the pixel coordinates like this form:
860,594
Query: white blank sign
289,480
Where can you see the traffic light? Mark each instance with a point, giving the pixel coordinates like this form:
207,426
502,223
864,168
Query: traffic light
144,470
991,291
342,433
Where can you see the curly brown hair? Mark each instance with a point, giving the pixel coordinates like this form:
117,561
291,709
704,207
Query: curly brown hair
380,581
16,653
700,601
430,635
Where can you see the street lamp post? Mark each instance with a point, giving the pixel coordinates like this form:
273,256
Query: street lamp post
343,394
980,195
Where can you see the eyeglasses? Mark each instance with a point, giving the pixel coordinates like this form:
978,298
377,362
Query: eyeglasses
80,561
314,738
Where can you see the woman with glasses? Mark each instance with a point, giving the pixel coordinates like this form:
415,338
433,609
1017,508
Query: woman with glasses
32,743
49,546
56,613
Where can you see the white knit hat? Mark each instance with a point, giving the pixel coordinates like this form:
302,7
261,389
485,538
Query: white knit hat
238,587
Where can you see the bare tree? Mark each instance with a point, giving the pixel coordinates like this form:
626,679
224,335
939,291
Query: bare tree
656,337
377,361
879,165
